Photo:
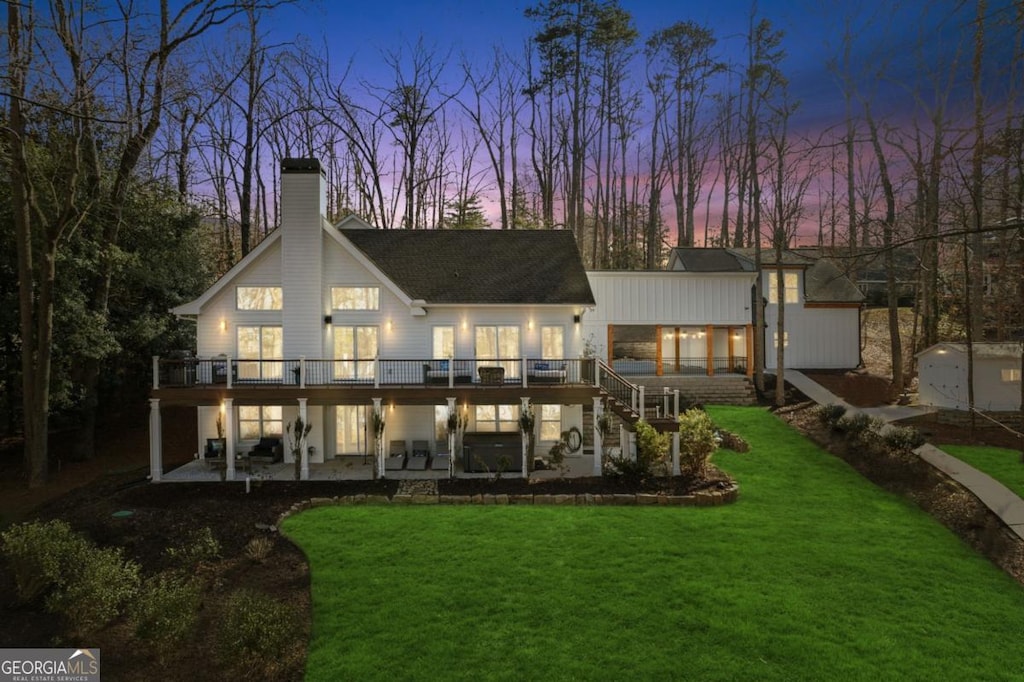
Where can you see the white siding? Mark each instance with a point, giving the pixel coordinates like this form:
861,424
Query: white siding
819,338
302,202
670,298
942,382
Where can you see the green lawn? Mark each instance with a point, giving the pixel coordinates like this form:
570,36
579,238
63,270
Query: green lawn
814,574
999,463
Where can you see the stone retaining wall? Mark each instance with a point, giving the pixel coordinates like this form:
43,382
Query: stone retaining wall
704,498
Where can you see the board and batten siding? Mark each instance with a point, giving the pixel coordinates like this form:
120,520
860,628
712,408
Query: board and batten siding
942,381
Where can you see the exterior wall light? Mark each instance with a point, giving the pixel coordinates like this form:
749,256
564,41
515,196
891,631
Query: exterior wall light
328,319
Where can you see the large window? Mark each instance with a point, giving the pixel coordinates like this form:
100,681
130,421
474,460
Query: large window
350,432
444,343
498,343
257,421
550,422
791,283
355,352
258,298
492,418
260,353
552,343
355,298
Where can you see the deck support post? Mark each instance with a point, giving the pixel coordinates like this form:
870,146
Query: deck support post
303,450
675,434
228,412
156,455
451,438
598,442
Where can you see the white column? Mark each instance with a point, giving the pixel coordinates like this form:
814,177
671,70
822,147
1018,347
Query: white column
156,456
379,443
522,371
452,409
598,443
675,435
303,450
229,430
525,406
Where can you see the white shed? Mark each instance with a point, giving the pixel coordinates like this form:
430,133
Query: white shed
942,376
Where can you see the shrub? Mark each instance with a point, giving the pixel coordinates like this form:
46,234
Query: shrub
199,547
732,441
165,611
256,633
40,554
259,548
829,415
903,440
858,426
651,455
697,442
94,590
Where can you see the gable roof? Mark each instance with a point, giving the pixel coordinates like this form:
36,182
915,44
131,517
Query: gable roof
987,350
825,283
693,259
195,307
479,266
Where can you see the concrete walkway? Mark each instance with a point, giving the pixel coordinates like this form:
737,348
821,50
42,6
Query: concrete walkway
1006,504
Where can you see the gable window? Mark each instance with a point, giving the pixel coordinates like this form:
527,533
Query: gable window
791,284
491,418
552,343
355,298
355,352
1009,375
444,343
550,422
257,421
498,343
260,352
258,298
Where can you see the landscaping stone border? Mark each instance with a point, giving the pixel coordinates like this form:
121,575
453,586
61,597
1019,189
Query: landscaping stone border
702,498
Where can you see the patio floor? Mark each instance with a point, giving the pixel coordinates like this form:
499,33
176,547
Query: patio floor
352,468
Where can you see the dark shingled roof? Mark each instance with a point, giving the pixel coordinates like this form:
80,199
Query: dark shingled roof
710,260
479,266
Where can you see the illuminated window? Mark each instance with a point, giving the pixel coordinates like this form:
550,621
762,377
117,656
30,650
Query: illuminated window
499,343
355,298
791,282
1009,375
257,421
355,352
550,422
785,339
264,346
504,418
552,343
444,342
258,298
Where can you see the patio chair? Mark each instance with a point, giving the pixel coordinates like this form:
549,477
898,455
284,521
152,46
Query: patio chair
396,456
442,460
420,455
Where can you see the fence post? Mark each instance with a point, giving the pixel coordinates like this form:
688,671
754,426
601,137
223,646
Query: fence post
302,371
229,369
156,372
522,370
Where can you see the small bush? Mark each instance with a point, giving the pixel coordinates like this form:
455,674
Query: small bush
259,548
200,546
256,633
903,440
829,415
732,441
165,611
697,442
40,554
94,590
652,450
858,426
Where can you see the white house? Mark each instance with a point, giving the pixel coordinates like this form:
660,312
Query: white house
942,376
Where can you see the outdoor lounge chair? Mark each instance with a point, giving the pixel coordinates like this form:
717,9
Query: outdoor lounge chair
441,461
396,456
420,455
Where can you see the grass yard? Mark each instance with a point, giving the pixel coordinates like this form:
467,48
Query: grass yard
1000,463
814,574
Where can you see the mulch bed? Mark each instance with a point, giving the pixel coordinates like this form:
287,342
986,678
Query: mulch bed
594,485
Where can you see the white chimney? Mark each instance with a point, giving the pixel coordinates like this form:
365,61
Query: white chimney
303,205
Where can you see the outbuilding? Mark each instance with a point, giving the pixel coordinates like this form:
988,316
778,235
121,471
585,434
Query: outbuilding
942,376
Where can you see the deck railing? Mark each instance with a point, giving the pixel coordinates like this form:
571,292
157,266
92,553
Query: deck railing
303,372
